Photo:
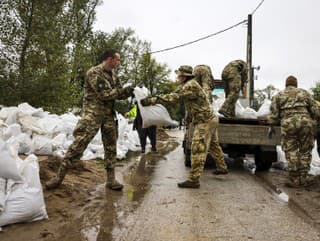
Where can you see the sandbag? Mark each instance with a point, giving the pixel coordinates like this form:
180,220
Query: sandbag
12,130
264,110
41,145
9,162
6,112
248,113
152,115
25,202
58,141
26,109
3,183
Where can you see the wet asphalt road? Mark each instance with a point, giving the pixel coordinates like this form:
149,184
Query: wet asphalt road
152,208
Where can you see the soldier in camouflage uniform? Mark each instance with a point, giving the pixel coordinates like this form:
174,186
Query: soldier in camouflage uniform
101,89
235,76
295,109
205,123
202,73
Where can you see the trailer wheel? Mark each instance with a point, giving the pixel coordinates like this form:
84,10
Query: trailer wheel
264,159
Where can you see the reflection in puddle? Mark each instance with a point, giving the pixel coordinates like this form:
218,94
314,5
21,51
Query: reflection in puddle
108,215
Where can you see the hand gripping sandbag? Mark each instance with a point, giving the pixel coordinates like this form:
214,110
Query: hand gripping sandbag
152,115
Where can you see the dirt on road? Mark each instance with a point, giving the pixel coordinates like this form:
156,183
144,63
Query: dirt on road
238,206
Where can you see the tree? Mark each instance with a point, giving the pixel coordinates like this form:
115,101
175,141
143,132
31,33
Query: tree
266,93
316,91
37,45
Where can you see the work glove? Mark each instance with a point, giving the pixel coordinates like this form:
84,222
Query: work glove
146,101
271,132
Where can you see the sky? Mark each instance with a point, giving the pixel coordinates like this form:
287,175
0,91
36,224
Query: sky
286,34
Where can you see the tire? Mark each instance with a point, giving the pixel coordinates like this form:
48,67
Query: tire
264,159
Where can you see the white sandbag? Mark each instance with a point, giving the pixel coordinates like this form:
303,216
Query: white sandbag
26,109
12,130
3,183
12,117
41,145
239,109
6,112
248,113
9,162
315,156
314,170
97,140
152,115
264,110
25,202
51,125
69,121
30,125
25,143
122,124
58,141
281,155
88,155
122,150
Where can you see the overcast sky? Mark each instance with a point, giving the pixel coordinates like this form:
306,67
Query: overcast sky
286,34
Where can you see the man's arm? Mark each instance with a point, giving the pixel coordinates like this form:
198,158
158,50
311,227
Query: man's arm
103,88
274,116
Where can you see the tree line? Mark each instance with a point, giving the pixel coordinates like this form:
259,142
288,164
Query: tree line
46,47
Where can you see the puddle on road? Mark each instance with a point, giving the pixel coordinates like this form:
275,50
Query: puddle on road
107,214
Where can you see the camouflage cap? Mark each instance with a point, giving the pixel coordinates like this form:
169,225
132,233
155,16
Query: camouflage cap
291,81
184,70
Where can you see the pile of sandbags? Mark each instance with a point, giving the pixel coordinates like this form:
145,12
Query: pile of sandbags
34,131
21,195
241,112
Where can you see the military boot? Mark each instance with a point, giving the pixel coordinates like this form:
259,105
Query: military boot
294,182
220,172
112,183
189,184
58,179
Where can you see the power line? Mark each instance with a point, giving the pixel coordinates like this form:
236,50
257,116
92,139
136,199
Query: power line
200,39
259,5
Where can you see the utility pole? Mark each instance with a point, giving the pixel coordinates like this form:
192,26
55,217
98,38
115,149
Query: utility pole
249,61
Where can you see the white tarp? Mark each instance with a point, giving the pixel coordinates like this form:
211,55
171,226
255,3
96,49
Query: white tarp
152,115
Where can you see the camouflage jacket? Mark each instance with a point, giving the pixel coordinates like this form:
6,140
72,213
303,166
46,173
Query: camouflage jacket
196,103
236,67
204,77
101,89
292,102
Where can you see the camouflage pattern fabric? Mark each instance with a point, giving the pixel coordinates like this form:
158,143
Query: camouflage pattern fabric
205,138
194,98
235,76
295,109
101,89
203,75
205,135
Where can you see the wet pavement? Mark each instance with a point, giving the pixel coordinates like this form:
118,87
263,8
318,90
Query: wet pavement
151,207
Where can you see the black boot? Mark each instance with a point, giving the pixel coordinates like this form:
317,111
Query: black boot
112,183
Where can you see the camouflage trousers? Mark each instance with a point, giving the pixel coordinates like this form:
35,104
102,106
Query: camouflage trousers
232,90
297,140
205,138
86,129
